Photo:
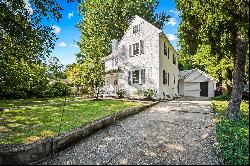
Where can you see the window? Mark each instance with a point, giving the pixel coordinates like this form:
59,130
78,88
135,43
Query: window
135,29
174,79
165,49
141,47
168,52
174,59
136,77
136,49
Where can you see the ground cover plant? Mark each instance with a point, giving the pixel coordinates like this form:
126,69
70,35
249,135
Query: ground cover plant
233,136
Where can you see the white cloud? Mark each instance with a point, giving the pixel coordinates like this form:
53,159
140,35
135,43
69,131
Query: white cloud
175,11
171,37
70,15
62,44
172,22
74,45
28,6
57,29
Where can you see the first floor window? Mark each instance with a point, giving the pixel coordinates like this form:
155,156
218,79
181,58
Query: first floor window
135,77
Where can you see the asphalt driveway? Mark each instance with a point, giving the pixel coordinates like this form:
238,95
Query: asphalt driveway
174,132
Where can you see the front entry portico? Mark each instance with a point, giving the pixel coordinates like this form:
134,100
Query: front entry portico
111,83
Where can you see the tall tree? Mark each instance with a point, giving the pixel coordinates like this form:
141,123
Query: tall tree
223,26
104,20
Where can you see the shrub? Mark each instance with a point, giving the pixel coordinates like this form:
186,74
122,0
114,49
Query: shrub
221,98
57,88
121,93
149,94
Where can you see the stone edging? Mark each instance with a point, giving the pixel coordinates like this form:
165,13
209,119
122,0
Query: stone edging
42,149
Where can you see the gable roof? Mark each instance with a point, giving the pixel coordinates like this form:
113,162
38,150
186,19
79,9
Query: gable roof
187,73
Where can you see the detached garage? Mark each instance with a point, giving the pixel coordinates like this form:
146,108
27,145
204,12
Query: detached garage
196,83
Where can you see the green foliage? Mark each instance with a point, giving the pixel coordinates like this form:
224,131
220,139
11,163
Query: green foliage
23,80
24,43
25,125
57,88
55,68
221,98
121,93
233,136
149,94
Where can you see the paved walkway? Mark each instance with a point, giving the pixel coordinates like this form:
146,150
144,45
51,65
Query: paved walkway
174,132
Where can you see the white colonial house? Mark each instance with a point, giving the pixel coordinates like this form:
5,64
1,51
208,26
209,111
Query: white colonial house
144,58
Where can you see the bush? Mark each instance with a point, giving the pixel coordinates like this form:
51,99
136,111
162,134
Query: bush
149,94
121,93
221,98
57,88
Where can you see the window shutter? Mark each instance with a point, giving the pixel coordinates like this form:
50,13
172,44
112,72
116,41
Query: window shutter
130,50
129,77
168,52
164,77
142,76
141,47
168,79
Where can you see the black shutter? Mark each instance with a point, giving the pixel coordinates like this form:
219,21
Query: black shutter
143,76
164,77
168,52
129,77
130,50
168,79
141,47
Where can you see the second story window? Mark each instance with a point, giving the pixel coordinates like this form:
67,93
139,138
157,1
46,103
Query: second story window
168,52
165,49
136,29
136,49
174,59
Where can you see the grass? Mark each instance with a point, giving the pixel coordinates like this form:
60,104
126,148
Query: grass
31,102
233,136
29,124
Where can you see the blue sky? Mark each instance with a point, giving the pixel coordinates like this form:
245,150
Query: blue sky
68,34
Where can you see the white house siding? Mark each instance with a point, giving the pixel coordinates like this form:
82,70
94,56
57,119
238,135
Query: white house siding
148,61
167,65
211,88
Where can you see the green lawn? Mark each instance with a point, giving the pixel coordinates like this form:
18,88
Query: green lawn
28,124
233,136
31,102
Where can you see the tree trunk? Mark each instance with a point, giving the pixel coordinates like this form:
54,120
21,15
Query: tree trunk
233,111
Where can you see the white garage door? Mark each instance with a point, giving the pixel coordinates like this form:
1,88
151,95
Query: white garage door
192,89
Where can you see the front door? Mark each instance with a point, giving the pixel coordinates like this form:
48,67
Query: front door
204,89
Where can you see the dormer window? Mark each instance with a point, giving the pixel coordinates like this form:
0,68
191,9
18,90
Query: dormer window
135,29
